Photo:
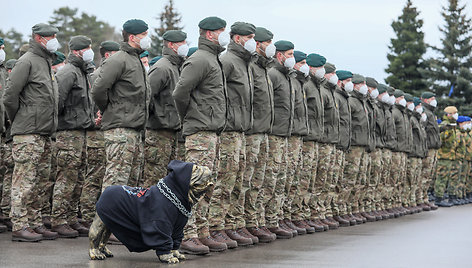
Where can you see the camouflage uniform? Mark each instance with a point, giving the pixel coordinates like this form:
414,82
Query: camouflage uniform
455,183
468,164
292,184
301,208
138,163
5,206
355,166
447,169
159,150
49,189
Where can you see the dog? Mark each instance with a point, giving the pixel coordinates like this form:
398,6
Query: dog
149,218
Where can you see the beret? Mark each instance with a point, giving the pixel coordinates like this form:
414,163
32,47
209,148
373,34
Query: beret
299,56
110,45
329,67
439,121
283,45
357,79
79,42
154,60
416,101
191,51
2,41
343,75
60,58
382,88
44,29
243,28
135,26
398,93
462,118
450,110
262,34
427,95
212,23
390,90
144,54
371,82
408,97
174,36
10,63
24,48
316,60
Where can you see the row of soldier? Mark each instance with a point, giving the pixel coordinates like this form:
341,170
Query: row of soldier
295,146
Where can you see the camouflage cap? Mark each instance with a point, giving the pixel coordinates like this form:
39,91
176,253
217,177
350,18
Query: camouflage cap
450,110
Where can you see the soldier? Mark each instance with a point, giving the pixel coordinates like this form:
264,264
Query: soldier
145,60
454,188
30,101
257,141
3,184
410,167
59,63
467,173
421,116
200,99
163,123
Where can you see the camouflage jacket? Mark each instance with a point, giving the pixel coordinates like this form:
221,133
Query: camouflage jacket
468,145
449,140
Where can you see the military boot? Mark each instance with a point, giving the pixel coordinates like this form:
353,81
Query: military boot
359,219
26,234
65,231
112,240
281,233
351,219
260,234
318,227
3,228
369,218
217,243
47,221
331,225
440,202
83,231
342,222
221,237
193,246
47,234
432,206
304,225
284,226
300,231
325,226
245,233
264,229
242,241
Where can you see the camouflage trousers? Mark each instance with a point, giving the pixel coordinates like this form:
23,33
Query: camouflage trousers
32,156
398,175
95,171
412,176
468,177
159,150
310,174
201,148
374,173
301,204
324,176
355,172
5,205
70,176
292,183
364,183
385,188
454,184
274,180
257,148
49,186
429,173
2,168
447,171
122,148
338,205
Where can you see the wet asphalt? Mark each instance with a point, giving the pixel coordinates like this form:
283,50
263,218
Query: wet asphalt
441,238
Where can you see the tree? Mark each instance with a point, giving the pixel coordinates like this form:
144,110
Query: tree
449,74
13,41
406,52
63,19
169,19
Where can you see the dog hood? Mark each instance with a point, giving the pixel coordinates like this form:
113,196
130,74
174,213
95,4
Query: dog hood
178,180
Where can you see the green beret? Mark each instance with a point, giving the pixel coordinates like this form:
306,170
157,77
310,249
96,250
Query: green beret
135,26
329,67
79,42
154,60
243,28
60,58
390,90
398,93
212,23
24,48
144,54
357,79
427,95
10,63
408,97
343,75
283,45
110,45
299,56
44,29
1,41
371,82
191,51
262,34
174,36
382,88
416,101
316,60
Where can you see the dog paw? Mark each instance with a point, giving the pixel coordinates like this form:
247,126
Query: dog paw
106,252
96,254
168,258
178,255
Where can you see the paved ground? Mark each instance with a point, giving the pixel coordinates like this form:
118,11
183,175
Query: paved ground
430,239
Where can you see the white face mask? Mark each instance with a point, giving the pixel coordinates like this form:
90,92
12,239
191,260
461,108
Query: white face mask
2,55
305,69
250,45
411,107
374,93
363,90
423,117
59,68
349,86
52,45
146,68
145,42
88,55
183,50
392,100
223,39
385,98
270,50
433,103
402,102
333,79
419,110
320,73
455,116
289,62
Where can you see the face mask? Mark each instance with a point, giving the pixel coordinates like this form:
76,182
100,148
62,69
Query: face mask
419,110
305,69
289,62
423,117
270,50
363,90
320,73
87,56
146,68
392,100
433,103
385,98
2,55
52,45
402,102
411,107
455,116
250,45
374,93
349,86
59,68
333,79
223,39
145,43
183,50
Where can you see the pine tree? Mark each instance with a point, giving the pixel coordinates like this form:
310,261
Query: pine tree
169,19
452,67
406,52
13,41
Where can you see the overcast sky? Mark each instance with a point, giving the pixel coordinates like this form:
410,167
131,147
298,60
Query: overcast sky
354,35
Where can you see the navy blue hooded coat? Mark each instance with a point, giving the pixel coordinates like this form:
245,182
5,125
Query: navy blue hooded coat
144,219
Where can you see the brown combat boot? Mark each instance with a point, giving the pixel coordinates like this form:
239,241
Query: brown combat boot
318,227
83,231
245,233
264,229
193,246
47,234
432,206
281,233
3,228
319,222
221,237
359,219
331,225
47,221
284,226
332,220
26,234
215,245
368,217
304,225
65,231
348,217
242,241
260,234
300,231
342,222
